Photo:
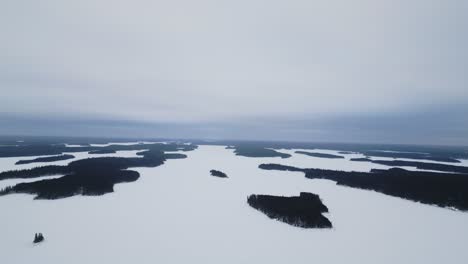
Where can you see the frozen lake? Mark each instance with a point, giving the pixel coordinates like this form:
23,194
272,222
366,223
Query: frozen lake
178,213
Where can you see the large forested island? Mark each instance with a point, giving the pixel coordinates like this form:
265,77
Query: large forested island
304,210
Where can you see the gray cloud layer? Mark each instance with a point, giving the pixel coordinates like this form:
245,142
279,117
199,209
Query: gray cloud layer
226,63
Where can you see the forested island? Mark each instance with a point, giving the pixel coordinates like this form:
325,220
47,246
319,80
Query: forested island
46,159
217,173
92,176
320,155
304,210
257,152
38,238
361,159
441,189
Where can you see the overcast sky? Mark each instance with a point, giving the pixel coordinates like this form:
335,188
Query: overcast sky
336,70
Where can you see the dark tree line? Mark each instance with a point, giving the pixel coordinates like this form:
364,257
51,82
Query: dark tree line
46,159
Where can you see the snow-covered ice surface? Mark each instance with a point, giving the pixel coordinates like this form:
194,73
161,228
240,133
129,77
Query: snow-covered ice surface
178,213
74,145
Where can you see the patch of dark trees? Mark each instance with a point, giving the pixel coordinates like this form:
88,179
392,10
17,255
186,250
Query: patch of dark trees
304,210
46,159
92,176
38,238
218,173
441,189
320,155
102,151
418,165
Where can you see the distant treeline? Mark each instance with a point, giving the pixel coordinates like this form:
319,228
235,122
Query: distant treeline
41,150
412,155
37,146
417,164
435,153
442,189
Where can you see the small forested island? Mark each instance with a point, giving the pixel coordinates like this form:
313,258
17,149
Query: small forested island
218,174
92,176
102,151
320,155
38,238
46,159
253,151
304,210
434,188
